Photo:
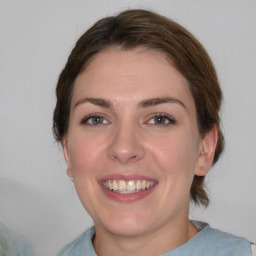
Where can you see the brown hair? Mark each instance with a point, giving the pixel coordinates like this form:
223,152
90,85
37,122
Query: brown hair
133,28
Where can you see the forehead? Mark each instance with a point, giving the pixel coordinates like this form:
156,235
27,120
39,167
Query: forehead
125,75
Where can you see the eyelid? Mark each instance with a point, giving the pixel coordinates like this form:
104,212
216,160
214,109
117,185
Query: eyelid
169,117
92,115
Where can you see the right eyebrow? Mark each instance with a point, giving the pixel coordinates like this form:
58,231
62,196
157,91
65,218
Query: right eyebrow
95,101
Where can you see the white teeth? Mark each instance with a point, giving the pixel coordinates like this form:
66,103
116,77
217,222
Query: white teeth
122,185
126,187
115,185
130,185
110,186
138,185
143,185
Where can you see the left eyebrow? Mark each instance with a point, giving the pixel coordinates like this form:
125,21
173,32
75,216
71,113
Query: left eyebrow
156,101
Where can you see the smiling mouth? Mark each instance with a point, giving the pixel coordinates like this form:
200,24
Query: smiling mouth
128,187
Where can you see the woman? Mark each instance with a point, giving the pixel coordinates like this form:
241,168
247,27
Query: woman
138,117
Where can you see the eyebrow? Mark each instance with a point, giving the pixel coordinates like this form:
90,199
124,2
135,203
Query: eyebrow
143,104
156,101
95,101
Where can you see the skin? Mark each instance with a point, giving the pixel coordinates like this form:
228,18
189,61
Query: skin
129,141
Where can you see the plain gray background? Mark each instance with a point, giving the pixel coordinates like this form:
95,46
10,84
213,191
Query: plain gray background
37,199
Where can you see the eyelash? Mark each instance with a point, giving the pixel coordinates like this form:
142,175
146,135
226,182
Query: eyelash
169,119
85,121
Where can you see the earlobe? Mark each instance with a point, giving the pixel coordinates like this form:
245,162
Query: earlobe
206,152
69,173
64,144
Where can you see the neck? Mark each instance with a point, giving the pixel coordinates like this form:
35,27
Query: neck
160,241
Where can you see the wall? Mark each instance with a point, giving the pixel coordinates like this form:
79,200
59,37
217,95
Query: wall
37,199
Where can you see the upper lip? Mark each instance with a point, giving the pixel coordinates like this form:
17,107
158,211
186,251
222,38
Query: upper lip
126,177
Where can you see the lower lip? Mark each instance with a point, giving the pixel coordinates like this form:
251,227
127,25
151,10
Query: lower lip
131,197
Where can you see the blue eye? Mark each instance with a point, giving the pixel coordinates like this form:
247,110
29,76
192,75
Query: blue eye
161,120
94,120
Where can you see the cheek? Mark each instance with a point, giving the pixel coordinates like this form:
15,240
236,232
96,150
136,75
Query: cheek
85,152
175,159
175,155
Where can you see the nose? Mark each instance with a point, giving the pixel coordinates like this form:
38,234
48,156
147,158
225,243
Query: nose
126,146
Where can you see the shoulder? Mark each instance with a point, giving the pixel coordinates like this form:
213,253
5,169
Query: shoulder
211,242
223,243
80,246
12,243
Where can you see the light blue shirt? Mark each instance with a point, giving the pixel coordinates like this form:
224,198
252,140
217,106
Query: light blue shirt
12,244
208,241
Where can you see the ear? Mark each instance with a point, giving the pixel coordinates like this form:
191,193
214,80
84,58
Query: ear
206,152
64,144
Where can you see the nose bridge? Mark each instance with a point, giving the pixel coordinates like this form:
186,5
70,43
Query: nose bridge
125,144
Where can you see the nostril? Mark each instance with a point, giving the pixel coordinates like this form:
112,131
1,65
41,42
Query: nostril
125,159
133,157
125,147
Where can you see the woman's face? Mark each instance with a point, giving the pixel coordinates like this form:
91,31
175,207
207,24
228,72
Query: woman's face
133,144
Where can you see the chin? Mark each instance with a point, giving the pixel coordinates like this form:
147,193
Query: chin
128,230
127,226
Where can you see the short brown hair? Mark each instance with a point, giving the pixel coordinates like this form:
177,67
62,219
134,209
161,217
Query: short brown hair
133,28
